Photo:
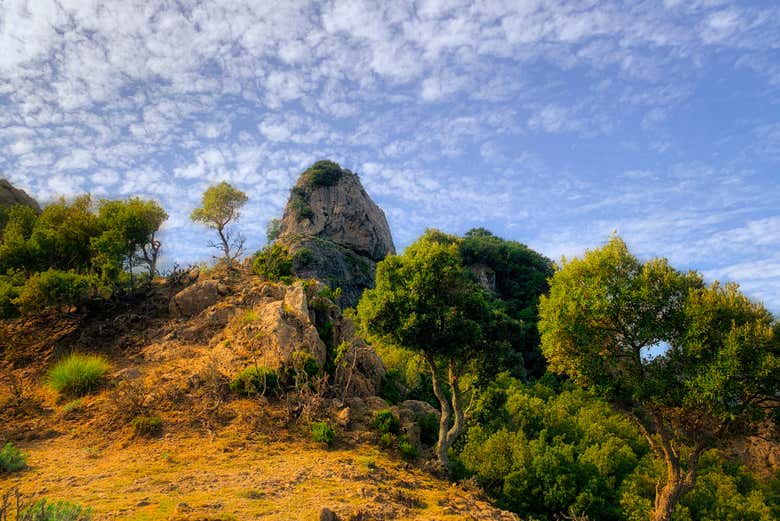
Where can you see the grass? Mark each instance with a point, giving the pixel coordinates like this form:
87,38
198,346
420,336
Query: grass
255,380
12,459
147,426
44,510
78,374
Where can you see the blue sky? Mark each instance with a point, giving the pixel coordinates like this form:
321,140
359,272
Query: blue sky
549,122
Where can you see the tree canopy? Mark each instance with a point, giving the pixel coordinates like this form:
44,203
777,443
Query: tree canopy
221,205
426,300
693,365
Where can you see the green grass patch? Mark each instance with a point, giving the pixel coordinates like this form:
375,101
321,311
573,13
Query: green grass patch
44,510
77,374
322,432
147,426
12,459
255,380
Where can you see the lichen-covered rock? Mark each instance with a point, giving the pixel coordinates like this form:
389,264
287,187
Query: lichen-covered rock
329,202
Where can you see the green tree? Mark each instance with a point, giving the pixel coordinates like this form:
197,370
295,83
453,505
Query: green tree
427,301
221,206
272,230
128,233
693,365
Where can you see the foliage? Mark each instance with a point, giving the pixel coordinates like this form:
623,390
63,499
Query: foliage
85,248
427,301
272,230
147,426
56,289
43,510
386,422
543,454
519,276
299,203
693,365
429,428
273,263
78,374
389,389
323,173
221,205
12,459
407,449
322,432
255,380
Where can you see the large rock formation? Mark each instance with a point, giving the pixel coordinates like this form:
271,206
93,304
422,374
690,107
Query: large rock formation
334,231
10,196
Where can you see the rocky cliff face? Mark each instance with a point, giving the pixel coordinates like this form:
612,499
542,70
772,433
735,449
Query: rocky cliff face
334,230
10,196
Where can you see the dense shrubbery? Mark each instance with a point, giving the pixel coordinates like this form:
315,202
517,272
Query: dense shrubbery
323,173
274,263
74,250
78,374
147,426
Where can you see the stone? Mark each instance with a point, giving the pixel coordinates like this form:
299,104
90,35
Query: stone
327,514
195,298
10,196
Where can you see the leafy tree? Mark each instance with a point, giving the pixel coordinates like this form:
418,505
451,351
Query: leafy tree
272,230
128,236
426,300
61,237
518,276
692,365
221,206
14,250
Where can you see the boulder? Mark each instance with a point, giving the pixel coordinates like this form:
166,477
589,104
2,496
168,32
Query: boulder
192,300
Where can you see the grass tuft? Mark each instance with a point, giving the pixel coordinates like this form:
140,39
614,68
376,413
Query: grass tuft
77,374
322,432
12,459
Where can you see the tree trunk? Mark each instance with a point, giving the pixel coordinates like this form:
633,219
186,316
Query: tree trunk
447,434
225,244
666,498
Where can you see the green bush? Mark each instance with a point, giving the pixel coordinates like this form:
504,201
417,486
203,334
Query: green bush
147,425
273,263
9,292
55,288
43,510
11,459
255,380
408,451
387,440
322,432
323,173
78,374
389,389
305,363
386,422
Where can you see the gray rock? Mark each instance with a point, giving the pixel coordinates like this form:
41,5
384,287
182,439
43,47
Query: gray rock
192,300
10,196
327,514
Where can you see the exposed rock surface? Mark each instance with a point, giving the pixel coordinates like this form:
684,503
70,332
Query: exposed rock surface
334,230
10,196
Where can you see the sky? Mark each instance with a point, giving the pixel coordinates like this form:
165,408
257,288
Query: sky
553,123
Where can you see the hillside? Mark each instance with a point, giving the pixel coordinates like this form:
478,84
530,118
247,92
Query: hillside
219,455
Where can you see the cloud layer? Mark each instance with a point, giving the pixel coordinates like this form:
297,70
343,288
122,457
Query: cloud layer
549,122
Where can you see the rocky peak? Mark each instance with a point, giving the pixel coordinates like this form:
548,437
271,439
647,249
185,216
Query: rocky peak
10,196
334,230
329,202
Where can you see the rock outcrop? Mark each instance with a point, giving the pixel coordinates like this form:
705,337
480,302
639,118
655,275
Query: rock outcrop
334,231
10,196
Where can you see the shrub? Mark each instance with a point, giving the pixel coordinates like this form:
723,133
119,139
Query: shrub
322,432
55,288
323,173
304,362
273,263
12,459
147,425
387,440
386,422
43,510
408,451
255,380
389,390
78,374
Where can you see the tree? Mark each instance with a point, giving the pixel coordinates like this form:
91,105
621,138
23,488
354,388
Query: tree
221,206
427,301
693,365
129,229
272,230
